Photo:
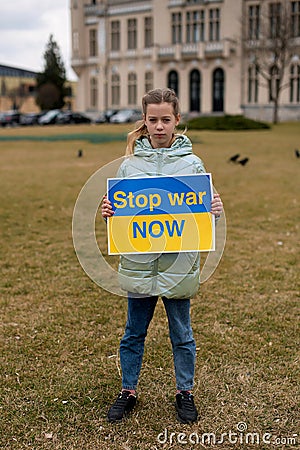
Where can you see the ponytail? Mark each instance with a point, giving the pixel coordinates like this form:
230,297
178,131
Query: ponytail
141,130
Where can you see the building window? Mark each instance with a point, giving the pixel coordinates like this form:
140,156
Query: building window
274,20
75,43
295,19
253,22
115,35
253,84
218,90
148,26
132,34
295,83
115,89
195,90
3,90
273,83
94,92
214,24
93,42
148,81
173,81
176,28
195,26
132,88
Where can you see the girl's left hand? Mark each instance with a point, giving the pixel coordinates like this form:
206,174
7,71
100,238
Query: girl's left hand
216,205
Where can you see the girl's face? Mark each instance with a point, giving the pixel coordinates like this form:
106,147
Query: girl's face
161,122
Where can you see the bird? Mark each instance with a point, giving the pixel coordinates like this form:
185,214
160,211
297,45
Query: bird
244,161
80,153
297,153
234,158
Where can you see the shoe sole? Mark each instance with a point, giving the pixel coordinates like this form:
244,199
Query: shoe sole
116,420
185,421
126,415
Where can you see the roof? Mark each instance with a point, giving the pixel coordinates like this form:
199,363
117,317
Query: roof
10,71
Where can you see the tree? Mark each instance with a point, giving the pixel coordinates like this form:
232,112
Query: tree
270,42
51,82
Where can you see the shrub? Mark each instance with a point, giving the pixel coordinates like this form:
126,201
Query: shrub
226,122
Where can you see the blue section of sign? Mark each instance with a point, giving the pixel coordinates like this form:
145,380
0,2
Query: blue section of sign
160,195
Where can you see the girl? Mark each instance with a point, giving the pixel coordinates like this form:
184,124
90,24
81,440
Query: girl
154,149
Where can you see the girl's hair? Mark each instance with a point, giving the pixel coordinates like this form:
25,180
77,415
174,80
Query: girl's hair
155,96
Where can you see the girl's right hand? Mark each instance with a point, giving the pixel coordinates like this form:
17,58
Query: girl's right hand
106,208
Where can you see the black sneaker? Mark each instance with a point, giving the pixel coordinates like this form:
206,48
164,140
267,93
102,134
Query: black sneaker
124,403
185,407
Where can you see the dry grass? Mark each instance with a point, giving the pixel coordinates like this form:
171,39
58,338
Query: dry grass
60,332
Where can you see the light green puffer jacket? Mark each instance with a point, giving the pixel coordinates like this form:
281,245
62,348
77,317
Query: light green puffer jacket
172,275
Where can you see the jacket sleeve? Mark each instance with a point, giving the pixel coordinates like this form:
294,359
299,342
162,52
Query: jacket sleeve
120,173
199,166
122,170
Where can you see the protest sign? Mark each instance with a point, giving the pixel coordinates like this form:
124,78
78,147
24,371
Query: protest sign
161,214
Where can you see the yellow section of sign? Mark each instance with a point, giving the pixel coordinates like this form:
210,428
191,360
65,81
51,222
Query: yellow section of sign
160,233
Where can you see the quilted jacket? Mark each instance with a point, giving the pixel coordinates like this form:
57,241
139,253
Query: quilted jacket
171,275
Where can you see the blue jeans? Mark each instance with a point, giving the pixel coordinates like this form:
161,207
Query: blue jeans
140,313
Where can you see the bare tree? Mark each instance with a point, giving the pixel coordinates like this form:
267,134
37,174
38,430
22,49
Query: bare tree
18,95
269,40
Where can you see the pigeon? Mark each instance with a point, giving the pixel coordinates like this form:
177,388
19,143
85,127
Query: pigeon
234,158
244,161
297,153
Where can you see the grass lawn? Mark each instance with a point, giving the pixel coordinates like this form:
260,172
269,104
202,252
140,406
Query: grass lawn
60,332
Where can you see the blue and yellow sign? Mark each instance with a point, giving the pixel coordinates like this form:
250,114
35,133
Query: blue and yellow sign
161,214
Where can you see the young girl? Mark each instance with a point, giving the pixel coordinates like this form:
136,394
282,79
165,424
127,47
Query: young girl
156,150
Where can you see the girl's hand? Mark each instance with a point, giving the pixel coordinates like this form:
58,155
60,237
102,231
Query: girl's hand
216,205
106,208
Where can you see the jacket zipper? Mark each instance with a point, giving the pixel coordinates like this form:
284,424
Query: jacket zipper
159,162
155,264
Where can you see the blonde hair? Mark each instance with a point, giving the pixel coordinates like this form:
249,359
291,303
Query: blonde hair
155,96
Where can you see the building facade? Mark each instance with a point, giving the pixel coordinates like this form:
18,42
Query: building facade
121,49
18,90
